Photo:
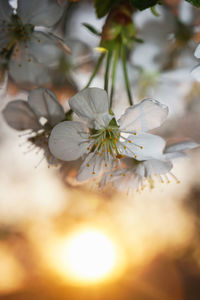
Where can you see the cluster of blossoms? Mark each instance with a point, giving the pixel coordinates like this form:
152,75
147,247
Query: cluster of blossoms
118,151
27,48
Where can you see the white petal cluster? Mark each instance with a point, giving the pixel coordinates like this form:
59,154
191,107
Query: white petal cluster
120,150
39,114
28,51
135,175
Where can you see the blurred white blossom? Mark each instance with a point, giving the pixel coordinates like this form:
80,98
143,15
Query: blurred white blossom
26,46
38,115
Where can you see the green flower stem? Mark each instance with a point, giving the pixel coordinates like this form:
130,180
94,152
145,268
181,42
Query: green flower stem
106,78
114,69
96,69
128,90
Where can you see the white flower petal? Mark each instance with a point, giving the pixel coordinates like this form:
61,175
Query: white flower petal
5,11
174,155
196,73
4,37
66,141
131,181
40,13
91,104
44,103
90,167
44,48
19,116
144,116
154,166
197,52
24,69
144,146
182,146
177,150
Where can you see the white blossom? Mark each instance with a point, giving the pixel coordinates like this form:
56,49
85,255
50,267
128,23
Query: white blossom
38,115
25,43
99,138
135,174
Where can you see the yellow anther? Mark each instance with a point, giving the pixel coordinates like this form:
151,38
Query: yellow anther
168,181
106,165
123,174
109,150
103,150
111,175
129,141
88,165
96,145
97,152
101,154
88,148
178,181
141,147
134,133
125,147
93,172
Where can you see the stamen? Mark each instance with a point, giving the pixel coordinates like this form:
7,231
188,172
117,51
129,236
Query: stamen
174,177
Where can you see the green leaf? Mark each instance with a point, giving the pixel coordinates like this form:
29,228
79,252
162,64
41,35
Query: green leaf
92,29
194,2
144,4
104,6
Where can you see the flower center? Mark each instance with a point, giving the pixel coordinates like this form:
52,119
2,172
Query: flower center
17,31
104,141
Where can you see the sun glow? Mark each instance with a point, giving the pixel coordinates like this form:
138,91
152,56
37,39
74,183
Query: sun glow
87,256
